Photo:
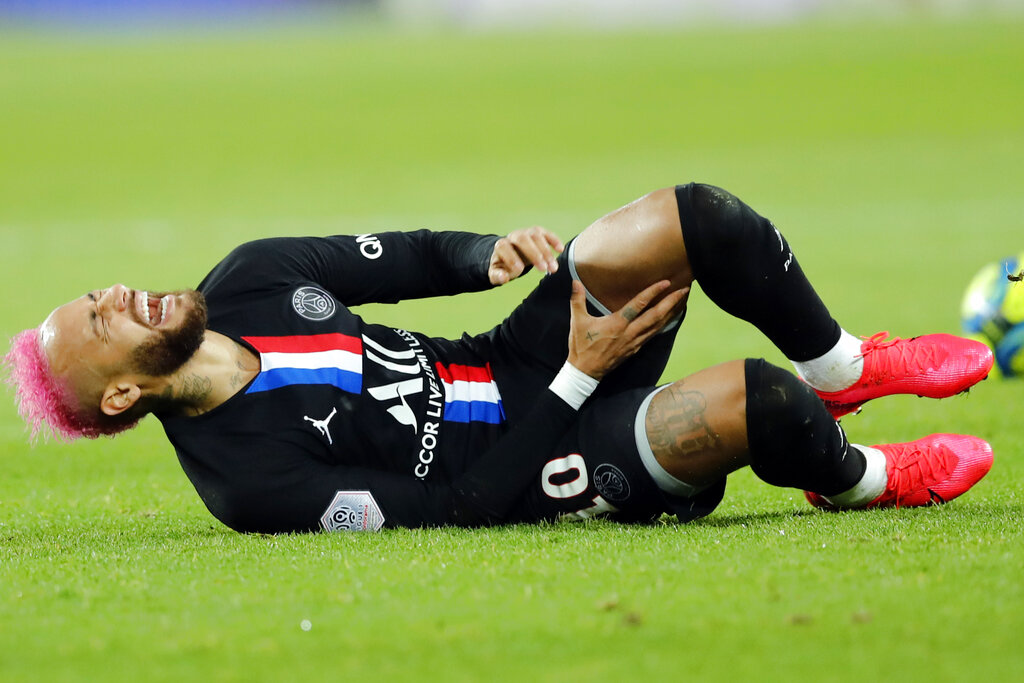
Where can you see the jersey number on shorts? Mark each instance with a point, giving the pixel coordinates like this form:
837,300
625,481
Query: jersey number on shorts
571,472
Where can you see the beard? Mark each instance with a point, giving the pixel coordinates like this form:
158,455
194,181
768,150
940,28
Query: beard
171,349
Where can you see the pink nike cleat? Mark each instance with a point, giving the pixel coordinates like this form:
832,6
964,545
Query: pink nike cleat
933,366
935,469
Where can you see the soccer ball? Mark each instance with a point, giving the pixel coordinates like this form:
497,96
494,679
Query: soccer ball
993,312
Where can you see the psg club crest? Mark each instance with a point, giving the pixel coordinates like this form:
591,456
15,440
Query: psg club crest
611,483
313,303
352,511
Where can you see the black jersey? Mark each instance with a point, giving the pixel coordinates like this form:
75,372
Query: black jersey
350,425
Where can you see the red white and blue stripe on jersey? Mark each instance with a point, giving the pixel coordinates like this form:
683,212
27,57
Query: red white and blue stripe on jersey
470,394
335,359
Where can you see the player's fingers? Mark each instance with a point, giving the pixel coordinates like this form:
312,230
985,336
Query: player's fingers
505,262
542,239
578,300
548,242
498,275
533,247
665,309
656,317
635,306
509,255
553,241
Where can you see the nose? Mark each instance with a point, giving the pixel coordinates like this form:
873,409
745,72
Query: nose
114,298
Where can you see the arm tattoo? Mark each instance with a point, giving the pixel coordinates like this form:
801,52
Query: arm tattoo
677,424
630,313
591,336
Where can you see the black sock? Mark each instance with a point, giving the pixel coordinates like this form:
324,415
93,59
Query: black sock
746,267
792,437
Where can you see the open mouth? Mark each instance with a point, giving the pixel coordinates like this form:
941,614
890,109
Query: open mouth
152,310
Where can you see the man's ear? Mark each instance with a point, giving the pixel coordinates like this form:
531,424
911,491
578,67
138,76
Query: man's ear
119,397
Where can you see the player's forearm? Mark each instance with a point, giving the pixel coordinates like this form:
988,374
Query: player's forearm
487,492
457,261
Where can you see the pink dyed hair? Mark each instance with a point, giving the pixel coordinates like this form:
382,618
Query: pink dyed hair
46,400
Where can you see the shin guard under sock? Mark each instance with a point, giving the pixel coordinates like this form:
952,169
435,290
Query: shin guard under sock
792,437
746,267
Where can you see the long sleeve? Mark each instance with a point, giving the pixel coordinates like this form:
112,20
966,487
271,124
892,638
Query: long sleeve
357,269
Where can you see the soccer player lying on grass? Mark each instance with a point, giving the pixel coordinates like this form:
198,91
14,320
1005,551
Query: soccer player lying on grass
290,413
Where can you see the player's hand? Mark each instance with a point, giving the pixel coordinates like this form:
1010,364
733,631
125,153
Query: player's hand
534,246
599,344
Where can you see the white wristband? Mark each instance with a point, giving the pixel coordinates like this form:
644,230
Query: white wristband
572,385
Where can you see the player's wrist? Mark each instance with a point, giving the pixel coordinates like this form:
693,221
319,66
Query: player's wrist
572,385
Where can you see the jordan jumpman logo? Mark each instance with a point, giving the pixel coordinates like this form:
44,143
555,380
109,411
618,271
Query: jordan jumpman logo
321,425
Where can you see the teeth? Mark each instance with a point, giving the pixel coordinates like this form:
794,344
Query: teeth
163,308
145,306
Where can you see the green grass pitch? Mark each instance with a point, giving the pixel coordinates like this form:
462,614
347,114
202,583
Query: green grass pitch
889,154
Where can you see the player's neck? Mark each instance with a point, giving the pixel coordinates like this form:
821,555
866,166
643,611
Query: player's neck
217,371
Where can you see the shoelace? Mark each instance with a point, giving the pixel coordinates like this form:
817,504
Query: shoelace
904,356
915,468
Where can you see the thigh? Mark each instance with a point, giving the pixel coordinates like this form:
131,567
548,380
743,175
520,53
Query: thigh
529,347
633,247
697,427
597,470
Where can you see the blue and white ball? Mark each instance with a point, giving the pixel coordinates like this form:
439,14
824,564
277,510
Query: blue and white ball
993,312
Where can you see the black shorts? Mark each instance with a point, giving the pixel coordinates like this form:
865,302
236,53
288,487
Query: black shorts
596,467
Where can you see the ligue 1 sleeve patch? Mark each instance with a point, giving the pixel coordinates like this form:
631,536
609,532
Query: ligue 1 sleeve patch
352,511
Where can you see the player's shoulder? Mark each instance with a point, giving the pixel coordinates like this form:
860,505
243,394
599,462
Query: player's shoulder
267,249
259,261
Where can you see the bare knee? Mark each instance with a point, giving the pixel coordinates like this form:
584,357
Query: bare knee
633,247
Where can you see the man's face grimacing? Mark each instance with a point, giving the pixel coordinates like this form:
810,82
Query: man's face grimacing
112,342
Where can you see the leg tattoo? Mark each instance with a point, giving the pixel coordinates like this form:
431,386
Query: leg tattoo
677,424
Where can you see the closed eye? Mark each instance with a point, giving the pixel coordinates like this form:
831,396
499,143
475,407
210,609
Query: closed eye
93,315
